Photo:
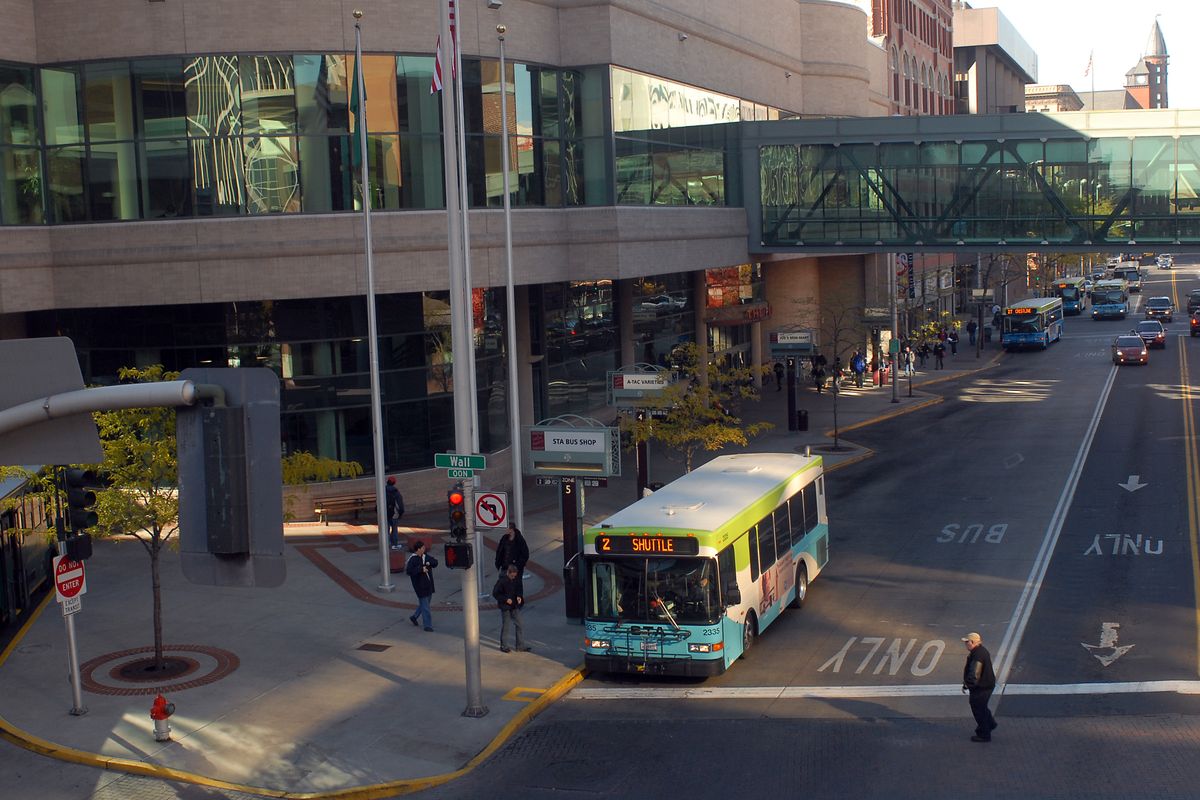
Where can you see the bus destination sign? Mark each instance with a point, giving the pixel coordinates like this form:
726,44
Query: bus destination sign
648,545
1015,311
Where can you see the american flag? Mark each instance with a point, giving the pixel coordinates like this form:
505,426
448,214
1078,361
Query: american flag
436,85
1089,66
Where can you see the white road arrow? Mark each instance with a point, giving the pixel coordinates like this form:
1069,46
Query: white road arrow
1108,642
1133,484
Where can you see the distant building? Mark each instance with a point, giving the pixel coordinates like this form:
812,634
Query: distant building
1049,97
1145,84
992,63
917,38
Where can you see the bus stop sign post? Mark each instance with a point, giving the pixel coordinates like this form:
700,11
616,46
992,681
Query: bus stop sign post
572,583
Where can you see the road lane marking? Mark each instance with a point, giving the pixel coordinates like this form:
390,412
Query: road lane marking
1193,477
1006,653
824,692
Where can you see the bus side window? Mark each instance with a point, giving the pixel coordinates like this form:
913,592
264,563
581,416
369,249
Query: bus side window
796,512
783,530
766,542
752,540
726,573
811,516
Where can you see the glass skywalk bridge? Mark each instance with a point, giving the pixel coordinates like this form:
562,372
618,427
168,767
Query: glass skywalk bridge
1052,182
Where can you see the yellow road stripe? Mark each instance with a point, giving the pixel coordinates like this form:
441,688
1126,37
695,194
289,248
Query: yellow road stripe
1193,479
523,694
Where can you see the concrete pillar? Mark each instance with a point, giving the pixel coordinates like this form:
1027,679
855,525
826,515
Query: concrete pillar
756,352
625,323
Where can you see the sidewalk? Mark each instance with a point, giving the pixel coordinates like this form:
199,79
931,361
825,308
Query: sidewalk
322,686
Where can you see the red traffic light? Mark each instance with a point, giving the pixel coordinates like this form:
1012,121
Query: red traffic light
456,498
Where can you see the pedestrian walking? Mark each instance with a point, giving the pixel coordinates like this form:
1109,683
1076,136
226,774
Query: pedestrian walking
818,377
510,597
923,353
979,681
420,570
512,549
952,339
971,329
909,359
939,355
778,375
395,510
858,366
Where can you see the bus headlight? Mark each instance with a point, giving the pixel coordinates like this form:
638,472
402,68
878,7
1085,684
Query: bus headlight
599,644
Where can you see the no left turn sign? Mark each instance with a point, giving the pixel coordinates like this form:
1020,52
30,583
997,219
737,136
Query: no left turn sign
491,510
69,580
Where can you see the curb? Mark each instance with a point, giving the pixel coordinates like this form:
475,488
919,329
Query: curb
40,746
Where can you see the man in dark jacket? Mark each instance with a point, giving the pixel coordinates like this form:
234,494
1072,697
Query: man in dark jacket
395,510
420,570
512,549
510,597
979,680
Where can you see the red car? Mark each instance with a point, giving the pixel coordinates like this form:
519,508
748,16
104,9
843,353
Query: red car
1130,349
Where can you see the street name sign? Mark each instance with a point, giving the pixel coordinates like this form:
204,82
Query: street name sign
456,461
454,472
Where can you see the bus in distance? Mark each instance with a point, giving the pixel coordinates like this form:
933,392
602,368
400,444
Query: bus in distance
684,580
1036,322
1110,299
1072,293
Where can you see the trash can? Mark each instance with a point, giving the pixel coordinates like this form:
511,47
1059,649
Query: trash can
987,333
802,420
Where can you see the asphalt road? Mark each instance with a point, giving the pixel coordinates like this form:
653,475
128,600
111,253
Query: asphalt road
1044,503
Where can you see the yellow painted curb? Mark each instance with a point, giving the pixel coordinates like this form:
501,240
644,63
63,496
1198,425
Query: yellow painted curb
377,791
899,412
853,460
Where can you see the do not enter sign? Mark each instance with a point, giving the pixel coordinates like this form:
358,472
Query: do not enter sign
69,580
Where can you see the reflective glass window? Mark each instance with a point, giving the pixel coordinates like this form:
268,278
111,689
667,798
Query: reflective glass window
420,111
65,184
552,172
322,93
383,160
213,96
325,174
585,177
272,174
160,96
379,76
18,106
268,94
108,101
20,186
547,101
60,106
166,179
113,181
218,176
421,180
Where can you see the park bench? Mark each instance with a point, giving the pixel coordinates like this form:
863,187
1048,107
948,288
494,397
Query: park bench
338,504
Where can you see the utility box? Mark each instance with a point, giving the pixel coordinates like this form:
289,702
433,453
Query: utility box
226,512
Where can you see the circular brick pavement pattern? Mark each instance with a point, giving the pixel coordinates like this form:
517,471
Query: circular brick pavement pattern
101,675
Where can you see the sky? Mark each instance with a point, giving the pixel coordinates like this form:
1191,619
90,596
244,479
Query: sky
1115,32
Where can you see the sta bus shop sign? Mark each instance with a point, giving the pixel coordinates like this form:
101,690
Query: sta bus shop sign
565,450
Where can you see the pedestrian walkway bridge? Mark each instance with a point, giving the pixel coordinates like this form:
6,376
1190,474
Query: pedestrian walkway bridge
1080,181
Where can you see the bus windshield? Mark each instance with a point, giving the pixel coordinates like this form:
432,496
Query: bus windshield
674,591
1024,323
1069,293
1104,296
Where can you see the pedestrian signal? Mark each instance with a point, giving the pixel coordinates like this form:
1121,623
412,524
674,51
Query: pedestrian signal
459,556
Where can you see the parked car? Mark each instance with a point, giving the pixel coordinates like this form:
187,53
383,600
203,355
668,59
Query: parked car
1160,308
1130,349
1153,333
663,303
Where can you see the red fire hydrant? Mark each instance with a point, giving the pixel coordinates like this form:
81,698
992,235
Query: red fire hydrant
159,712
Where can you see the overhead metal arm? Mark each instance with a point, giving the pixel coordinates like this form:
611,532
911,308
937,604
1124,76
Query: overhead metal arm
109,398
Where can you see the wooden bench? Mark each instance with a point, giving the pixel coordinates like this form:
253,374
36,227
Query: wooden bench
342,504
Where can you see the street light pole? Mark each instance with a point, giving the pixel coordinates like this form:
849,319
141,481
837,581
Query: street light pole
894,344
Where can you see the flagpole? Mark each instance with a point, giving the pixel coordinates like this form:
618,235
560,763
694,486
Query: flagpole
385,572
462,343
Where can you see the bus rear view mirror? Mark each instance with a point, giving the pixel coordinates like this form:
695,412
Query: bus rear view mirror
733,595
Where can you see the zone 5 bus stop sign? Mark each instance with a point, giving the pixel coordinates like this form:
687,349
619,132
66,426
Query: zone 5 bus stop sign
69,580
491,510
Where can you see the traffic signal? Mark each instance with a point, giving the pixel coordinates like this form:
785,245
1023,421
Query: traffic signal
459,555
81,498
456,505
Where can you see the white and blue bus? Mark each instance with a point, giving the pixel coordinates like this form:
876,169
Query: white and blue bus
1036,322
1073,294
684,580
1110,299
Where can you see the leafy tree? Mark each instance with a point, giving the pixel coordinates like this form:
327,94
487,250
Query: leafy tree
704,405
303,467
141,469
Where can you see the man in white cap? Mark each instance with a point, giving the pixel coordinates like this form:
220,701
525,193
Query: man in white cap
979,680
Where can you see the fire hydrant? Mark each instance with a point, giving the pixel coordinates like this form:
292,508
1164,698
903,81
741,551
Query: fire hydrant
159,712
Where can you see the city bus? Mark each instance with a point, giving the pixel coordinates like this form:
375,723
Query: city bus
684,580
1110,299
25,549
1032,323
1131,272
1072,293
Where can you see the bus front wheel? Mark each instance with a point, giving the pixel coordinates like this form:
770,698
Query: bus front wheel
801,587
749,632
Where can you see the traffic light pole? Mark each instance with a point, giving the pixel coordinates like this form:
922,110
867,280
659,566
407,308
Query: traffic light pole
78,709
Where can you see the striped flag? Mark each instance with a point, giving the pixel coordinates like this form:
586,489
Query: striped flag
436,85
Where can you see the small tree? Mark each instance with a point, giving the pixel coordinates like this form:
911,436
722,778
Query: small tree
839,322
303,467
704,405
141,469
